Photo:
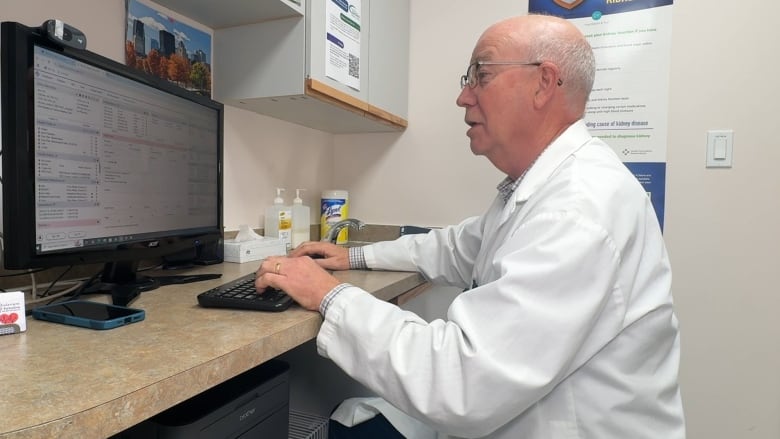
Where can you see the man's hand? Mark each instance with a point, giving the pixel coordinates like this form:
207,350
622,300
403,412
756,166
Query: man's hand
328,256
301,278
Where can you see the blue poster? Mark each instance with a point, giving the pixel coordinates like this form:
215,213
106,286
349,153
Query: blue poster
652,176
591,8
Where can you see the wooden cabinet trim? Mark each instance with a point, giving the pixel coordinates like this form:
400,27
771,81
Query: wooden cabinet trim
326,93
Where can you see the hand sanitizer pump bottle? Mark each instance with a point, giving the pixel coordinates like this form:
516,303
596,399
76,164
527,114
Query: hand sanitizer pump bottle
278,220
301,220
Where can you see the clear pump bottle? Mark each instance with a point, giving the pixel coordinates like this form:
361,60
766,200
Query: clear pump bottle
301,218
278,220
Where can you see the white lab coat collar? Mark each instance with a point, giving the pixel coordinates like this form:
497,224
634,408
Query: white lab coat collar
572,139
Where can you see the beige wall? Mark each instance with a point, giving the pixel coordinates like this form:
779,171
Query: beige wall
101,21
721,225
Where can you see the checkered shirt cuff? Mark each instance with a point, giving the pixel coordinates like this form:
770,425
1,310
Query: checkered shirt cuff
328,299
357,260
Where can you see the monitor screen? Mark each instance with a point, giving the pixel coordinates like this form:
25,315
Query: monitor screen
102,163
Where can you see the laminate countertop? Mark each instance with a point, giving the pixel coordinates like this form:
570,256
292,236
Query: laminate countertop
65,381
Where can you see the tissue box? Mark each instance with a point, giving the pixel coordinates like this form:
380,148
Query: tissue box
253,250
12,318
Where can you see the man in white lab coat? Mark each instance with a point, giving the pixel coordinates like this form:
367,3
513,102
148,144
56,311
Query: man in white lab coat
566,327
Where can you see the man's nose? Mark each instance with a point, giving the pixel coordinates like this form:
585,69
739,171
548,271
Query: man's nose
466,97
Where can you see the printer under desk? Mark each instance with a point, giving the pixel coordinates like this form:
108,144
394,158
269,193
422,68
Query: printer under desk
253,404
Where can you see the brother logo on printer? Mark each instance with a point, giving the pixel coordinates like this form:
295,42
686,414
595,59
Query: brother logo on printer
248,413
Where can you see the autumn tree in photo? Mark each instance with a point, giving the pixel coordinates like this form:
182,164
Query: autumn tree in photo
194,76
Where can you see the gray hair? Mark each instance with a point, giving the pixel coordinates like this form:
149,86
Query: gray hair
575,59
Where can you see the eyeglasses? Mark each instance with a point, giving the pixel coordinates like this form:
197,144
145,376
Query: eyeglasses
473,78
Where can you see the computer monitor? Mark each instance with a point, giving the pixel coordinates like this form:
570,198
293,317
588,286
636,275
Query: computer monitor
102,163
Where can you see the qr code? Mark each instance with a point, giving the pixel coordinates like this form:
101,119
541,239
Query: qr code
354,66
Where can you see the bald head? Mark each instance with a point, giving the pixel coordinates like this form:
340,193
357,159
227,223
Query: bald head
553,39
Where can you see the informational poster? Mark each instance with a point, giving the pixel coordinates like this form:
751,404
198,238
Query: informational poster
628,107
342,51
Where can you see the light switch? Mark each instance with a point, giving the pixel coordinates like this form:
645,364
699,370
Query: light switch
720,148
719,153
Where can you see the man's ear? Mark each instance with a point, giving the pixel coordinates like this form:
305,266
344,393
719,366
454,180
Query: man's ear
549,82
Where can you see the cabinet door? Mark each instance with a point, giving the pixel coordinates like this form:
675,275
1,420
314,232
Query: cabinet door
259,60
389,57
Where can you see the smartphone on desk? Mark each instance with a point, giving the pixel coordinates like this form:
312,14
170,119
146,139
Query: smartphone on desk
88,314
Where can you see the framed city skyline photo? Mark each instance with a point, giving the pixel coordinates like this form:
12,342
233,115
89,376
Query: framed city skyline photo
168,46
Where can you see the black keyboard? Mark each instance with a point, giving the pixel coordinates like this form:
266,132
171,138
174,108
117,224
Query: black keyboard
241,294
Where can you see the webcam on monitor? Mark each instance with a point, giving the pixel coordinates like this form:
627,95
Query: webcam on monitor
65,34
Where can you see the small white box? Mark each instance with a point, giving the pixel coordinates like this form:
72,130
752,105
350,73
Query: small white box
12,318
254,250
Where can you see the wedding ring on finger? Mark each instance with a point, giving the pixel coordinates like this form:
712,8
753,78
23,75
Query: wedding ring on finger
278,267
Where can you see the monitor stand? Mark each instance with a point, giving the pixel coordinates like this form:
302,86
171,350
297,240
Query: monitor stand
121,280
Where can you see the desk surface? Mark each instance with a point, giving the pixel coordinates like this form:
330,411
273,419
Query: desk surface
64,381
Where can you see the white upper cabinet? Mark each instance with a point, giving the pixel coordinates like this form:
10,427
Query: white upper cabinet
273,59
219,14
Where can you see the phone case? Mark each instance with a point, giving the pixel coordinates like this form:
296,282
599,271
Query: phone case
132,315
